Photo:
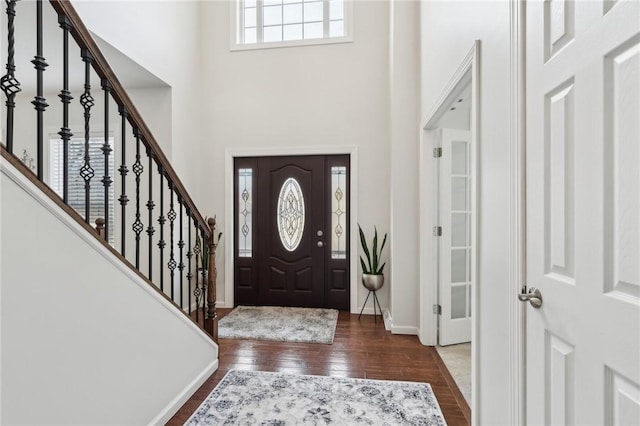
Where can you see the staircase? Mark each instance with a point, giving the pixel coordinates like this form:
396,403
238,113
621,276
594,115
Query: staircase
99,187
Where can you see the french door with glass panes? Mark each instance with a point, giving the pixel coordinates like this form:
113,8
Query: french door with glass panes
455,278
292,231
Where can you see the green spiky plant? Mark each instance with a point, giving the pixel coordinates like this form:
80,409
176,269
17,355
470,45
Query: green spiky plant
372,266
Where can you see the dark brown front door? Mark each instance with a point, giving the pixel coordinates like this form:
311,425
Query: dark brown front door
286,231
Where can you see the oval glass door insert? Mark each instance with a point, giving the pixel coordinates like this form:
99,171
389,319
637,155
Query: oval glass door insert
290,214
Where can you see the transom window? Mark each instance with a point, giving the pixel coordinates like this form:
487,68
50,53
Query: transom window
275,23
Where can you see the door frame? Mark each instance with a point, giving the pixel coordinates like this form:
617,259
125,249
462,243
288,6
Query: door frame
467,73
230,223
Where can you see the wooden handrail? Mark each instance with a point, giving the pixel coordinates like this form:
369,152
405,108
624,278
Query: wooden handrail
85,40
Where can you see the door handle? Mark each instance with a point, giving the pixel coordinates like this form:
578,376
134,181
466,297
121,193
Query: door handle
534,297
320,244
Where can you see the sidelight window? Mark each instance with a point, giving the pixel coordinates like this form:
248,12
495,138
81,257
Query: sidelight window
338,212
245,212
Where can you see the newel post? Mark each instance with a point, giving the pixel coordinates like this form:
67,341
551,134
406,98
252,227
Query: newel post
211,322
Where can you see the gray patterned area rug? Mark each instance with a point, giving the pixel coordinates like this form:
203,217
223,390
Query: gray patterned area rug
306,325
260,398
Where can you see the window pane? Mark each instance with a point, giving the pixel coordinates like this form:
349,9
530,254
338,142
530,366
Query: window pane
459,193
245,209
313,30
313,11
249,3
272,15
458,301
339,212
271,2
292,32
336,10
459,266
291,214
250,17
272,33
292,14
250,35
459,230
459,158
336,29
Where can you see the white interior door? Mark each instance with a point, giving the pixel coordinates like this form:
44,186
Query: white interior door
583,212
454,243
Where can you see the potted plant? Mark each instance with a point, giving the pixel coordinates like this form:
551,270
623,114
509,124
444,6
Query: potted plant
372,271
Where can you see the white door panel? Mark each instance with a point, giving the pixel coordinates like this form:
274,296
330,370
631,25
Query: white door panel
454,245
583,212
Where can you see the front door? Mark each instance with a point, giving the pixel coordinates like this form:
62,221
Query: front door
583,212
292,231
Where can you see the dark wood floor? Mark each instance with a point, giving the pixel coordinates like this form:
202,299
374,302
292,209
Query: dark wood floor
361,349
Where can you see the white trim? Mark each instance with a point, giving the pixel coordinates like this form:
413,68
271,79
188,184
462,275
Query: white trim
398,329
517,212
172,408
232,153
234,33
35,193
468,71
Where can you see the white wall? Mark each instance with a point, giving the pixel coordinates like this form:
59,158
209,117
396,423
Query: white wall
405,137
327,95
164,38
83,340
448,32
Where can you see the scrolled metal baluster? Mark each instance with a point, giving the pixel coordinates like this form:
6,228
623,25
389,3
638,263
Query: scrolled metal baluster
65,98
204,276
87,102
181,246
39,102
150,206
8,83
196,251
172,217
189,256
137,168
106,151
161,221
123,199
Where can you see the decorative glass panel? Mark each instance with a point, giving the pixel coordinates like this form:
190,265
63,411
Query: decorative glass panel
290,214
245,212
338,212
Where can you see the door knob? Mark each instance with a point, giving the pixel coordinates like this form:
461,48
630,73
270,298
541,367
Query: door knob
534,297
320,244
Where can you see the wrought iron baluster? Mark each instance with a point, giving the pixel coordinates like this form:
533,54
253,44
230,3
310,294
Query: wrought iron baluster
124,200
39,102
204,277
196,251
9,84
87,102
181,246
106,151
150,206
172,217
189,255
137,168
161,221
66,98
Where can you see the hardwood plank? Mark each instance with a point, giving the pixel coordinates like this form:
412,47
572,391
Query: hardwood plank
361,349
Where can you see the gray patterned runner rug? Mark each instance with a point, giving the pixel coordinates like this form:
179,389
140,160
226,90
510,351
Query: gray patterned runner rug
306,325
254,397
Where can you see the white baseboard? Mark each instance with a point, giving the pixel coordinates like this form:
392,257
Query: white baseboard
172,408
397,329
